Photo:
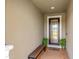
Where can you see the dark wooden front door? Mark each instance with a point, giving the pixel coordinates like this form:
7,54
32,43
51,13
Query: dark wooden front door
54,31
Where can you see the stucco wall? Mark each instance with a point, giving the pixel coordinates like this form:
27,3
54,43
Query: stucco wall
69,25
24,27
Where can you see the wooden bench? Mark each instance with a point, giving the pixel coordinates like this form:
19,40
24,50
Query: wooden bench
36,52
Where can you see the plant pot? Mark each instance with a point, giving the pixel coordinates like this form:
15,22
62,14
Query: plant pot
45,49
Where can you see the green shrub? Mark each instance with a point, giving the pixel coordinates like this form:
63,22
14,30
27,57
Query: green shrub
45,41
62,42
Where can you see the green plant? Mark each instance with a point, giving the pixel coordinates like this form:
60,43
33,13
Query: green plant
45,41
62,42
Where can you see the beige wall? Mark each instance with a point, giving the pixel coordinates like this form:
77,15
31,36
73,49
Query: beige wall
70,30
63,23
24,27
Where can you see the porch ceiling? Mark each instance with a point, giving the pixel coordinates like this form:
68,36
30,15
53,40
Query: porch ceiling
45,5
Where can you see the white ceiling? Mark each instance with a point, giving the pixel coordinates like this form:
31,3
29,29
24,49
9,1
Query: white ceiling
44,5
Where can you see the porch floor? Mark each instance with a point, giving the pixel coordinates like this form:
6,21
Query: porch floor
52,53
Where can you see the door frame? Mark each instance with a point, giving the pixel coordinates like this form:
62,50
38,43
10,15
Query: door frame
57,16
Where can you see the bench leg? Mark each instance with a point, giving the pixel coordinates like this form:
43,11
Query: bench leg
45,49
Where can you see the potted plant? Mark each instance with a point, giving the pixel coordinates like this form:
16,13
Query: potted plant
45,42
62,42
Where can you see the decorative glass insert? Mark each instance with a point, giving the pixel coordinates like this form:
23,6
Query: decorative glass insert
54,30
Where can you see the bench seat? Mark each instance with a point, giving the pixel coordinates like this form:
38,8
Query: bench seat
36,52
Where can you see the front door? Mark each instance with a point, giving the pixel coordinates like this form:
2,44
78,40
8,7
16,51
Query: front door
54,31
